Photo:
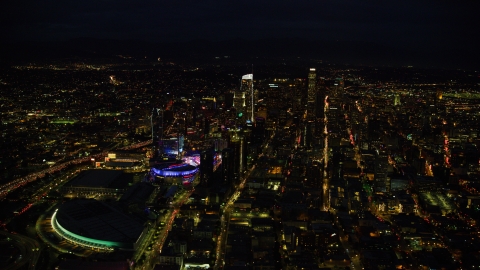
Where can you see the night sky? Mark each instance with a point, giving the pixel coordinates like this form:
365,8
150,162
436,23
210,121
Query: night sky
443,26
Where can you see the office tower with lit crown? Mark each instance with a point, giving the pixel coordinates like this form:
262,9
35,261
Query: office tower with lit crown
311,94
247,85
309,124
243,98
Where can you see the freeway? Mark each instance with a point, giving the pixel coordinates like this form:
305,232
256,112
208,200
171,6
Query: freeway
29,251
19,182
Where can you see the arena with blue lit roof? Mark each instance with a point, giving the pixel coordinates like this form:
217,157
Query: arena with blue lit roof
179,173
96,224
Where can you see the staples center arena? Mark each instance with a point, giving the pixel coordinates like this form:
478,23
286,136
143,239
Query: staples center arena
178,173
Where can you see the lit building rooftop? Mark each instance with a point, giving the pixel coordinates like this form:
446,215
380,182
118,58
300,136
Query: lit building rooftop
96,223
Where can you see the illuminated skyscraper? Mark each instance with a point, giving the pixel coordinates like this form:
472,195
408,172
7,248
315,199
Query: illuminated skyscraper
438,97
239,102
309,125
243,99
239,146
311,94
439,94
247,85
396,101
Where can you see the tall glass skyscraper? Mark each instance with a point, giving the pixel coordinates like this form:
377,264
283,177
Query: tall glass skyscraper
311,94
243,99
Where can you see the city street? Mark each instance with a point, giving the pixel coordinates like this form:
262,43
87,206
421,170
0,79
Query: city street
220,249
157,245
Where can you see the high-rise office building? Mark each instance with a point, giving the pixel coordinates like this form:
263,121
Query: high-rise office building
172,146
439,94
239,102
320,98
308,133
381,181
228,166
156,122
243,99
206,167
339,87
258,134
247,85
319,116
309,126
396,101
239,146
438,99
311,94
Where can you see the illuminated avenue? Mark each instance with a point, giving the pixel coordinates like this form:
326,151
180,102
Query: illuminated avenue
157,164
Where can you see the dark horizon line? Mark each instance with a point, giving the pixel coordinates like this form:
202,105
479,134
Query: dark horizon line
345,52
